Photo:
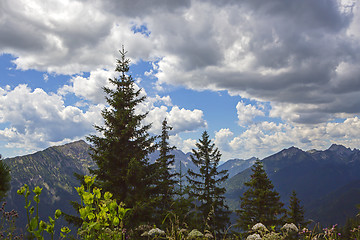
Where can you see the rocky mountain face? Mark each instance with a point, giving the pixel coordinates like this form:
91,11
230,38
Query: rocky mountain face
235,166
52,169
323,181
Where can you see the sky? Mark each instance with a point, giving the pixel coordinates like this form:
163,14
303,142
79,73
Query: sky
258,76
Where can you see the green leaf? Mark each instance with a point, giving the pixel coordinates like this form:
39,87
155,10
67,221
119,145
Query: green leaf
83,213
32,209
33,223
21,191
52,221
28,205
97,192
65,230
37,190
107,195
91,216
58,213
116,221
36,198
80,190
122,212
42,225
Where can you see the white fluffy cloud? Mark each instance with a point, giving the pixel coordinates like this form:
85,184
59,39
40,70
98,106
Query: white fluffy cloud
90,88
181,120
185,145
66,36
246,113
287,53
300,56
37,119
266,138
222,139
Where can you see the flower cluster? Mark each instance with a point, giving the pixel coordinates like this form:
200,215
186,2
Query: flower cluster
290,227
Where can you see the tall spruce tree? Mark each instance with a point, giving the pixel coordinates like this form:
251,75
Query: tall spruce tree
4,179
296,212
122,147
205,186
260,203
166,179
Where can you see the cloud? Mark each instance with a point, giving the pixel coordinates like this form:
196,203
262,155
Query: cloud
37,119
300,56
90,88
185,145
246,113
66,37
222,139
157,107
290,54
266,138
270,52
181,120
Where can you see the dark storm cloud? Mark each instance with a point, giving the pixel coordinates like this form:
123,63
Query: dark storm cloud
285,52
289,52
140,8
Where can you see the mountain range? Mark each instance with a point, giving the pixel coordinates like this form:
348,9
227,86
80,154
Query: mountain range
52,169
326,182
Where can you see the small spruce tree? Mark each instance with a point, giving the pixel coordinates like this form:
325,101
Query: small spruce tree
205,186
166,179
182,202
296,212
260,203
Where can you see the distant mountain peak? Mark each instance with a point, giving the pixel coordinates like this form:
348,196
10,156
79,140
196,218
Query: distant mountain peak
312,151
340,149
335,147
290,151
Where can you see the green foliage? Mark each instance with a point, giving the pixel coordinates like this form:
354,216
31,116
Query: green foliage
35,226
4,179
122,147
103,217
260,202
205,187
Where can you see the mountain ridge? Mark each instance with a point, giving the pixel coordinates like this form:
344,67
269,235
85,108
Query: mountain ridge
315,175
312,174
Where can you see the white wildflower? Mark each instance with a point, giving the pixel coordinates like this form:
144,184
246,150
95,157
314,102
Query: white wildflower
195,234
272,236
254,236
145,234
290,227
259,227
208,234
156,232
